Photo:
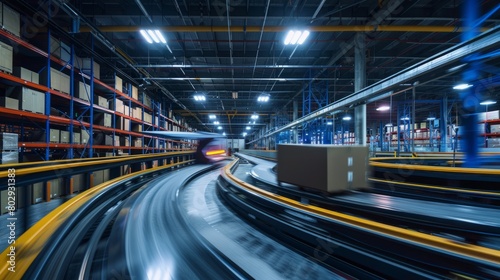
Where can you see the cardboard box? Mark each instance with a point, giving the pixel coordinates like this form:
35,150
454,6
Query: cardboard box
8,141
10,103
6,56
78,182
84,91
116,105
77,138
326,168
85,137
56,187
137,127
101,101
86,65
64,136
138,142
126,110
495,128
9,157
11,20
118,84
108,140
492,115
135,93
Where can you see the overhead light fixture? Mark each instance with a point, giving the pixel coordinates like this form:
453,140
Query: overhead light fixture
462,86
431,118
223,133
219,127
254,117
329,123
235,95
296,37
244,134
405,119
160,36
151,35
383,108
146,36
488,102
263,98
212,117
389,125
216,122
248,128
346,118
199,97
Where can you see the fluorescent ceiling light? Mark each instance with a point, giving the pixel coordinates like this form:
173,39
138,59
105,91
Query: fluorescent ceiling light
199,97
160,36
153,36
254,117
289,37
488,102
263,98
223,133
219,127
248,128
303,37
244,134
216,123
462,86
431,118
347,118
146,36
383,108
389,125
329,123
405,118
212,117
295,37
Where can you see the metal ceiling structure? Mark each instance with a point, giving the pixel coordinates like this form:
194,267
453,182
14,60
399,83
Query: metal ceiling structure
234,51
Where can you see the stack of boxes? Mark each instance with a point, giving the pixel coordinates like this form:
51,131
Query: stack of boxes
8,147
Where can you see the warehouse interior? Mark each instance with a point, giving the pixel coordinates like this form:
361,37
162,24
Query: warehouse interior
95,95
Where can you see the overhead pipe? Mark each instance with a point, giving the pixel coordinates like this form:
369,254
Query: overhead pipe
144,11
260,38
322,28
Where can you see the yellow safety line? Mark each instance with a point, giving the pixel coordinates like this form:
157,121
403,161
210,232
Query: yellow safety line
484,171
29,244
433,187
417,237
31,170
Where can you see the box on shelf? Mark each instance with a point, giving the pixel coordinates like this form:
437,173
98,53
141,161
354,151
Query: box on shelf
10,20
495,128
101,101
6,57
8,102
84,137
117,141
135,93
137,113
56,187
78,182
126,124
137,127
86,65
137,142
9,157
29,100
125,141
147,101
118,83
481,117
26,74
147,118
116,105
58,80
330,168
492,115
108,140
126,110
84,91
77,138
8,141
65,52
103,119
64,136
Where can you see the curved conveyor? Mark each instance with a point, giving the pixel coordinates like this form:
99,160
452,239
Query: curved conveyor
451,217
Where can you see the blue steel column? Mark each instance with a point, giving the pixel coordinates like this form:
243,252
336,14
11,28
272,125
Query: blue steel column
469,99
71,102
91,127
47,98
294,117
443,124
360,83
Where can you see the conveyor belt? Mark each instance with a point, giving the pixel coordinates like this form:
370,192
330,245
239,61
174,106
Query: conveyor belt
435,214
